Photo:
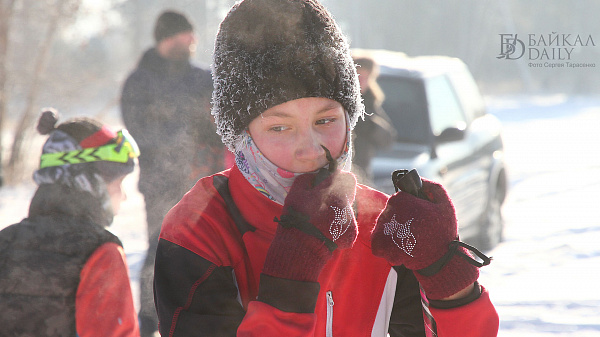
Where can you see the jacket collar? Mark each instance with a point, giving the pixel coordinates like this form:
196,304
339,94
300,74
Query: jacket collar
152,61
58,199
254,206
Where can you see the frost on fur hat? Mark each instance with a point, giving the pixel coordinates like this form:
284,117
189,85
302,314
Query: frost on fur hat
268,52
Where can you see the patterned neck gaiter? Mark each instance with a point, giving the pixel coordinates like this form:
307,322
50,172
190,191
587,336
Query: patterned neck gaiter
270,180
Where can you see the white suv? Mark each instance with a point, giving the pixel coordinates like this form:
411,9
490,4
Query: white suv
445,133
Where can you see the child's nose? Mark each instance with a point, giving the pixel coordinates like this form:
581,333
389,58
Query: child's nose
309,146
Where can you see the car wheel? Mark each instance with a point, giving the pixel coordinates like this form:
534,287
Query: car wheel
491,232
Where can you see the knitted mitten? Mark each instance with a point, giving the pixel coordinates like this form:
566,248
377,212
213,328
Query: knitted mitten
423,236
317,218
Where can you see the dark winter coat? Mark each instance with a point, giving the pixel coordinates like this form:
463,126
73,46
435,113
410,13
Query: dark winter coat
166,108
374,133
41,259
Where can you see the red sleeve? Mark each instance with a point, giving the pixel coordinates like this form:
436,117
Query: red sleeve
104,303
476,319
265,320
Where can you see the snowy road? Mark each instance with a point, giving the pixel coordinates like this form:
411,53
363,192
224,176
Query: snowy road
544,278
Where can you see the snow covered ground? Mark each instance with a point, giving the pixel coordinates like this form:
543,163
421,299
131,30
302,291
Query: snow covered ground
544,278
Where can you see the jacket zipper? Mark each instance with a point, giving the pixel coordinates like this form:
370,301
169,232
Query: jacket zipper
329,327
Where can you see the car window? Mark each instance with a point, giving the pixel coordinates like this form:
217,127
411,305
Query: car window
406,105
470,97
444,108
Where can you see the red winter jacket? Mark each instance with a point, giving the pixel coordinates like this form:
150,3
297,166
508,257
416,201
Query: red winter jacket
210,255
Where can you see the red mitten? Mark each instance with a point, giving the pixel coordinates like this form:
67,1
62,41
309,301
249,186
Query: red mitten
317,218
421,235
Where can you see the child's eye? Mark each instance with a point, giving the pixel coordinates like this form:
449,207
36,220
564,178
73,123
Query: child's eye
326,120
278,128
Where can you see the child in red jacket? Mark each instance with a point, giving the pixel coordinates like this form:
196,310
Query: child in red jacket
62,273
286,243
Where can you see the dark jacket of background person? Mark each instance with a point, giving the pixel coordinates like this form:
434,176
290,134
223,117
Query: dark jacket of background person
165,106
374,133
42,257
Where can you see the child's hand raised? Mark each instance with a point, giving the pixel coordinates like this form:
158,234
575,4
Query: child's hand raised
317,218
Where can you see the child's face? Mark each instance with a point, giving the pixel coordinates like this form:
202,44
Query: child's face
116,194
290,134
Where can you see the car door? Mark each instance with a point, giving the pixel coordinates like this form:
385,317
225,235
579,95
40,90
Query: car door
462,170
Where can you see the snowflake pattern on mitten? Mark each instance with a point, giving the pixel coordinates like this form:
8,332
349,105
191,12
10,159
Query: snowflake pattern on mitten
402,232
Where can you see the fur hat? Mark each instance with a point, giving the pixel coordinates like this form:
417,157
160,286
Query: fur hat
268,52
170,23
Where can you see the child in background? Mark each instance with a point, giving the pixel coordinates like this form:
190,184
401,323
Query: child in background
62,273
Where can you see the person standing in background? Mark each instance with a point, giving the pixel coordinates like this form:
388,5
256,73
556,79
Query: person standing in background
165,104
62,273
376,131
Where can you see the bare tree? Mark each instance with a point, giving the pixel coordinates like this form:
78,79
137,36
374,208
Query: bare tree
6,10
56,12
